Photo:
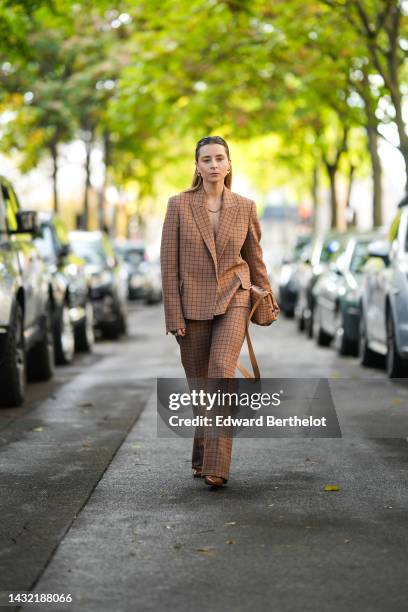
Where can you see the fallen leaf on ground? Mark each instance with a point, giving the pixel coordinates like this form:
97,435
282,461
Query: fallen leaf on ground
85,404
206,550
232,541
331,488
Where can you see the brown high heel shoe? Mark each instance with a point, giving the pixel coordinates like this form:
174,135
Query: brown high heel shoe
214,481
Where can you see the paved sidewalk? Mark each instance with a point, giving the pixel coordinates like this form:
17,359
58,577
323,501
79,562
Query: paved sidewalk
96,506
153,538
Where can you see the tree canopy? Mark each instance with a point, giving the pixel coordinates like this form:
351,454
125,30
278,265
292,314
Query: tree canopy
312,83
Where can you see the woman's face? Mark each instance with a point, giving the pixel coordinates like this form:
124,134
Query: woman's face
213,163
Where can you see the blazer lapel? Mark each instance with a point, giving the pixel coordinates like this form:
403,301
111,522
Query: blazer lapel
203,222
227,219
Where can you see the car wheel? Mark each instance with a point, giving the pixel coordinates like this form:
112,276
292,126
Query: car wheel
396,366
342,342
13,365
84,332
300,321
367,357
309,322
112,331
64,337
123,323
322,338
40,361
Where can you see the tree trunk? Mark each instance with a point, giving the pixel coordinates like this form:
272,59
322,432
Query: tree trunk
331,171
88,149
389,68
372,136
315,197
332,167
377,175
352,221
101,193
54,156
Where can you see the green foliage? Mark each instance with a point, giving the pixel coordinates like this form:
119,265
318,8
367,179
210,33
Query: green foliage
283,81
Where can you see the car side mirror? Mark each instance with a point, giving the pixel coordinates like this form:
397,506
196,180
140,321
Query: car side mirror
27,223
393,249
373,265
64,250
379,249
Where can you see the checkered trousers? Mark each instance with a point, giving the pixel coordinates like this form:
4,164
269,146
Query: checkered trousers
210,350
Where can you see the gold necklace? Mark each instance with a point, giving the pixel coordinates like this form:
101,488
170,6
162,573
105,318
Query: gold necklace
214,211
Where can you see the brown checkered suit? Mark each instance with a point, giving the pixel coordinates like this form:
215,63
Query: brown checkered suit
206,281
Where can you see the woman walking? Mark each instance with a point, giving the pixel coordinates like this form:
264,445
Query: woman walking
210,255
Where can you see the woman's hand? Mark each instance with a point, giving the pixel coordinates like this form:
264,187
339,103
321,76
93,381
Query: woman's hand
179,332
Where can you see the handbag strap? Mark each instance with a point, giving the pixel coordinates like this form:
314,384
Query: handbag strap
252,356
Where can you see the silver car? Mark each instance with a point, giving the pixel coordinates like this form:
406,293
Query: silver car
384,305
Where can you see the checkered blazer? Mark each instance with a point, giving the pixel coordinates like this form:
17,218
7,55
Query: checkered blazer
203,274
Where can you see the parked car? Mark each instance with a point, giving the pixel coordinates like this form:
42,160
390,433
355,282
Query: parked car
107,280
384,303
133,254
316,258
152,284
26,338
72,305
289,277
337,295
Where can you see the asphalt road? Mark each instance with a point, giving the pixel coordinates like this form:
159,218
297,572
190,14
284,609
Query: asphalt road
94,504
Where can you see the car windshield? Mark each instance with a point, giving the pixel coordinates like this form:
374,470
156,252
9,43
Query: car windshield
90,250
45,243
359,257
133,256
300,246
331,250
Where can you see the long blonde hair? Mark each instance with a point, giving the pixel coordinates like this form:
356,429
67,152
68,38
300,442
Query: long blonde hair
197,178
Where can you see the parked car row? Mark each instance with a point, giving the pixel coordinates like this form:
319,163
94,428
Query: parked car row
56,288
350,290
143,274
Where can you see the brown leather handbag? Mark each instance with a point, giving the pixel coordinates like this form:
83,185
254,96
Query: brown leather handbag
264,311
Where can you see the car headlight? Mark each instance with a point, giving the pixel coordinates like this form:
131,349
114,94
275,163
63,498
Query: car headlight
353,296
98,280
285,275
136,281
